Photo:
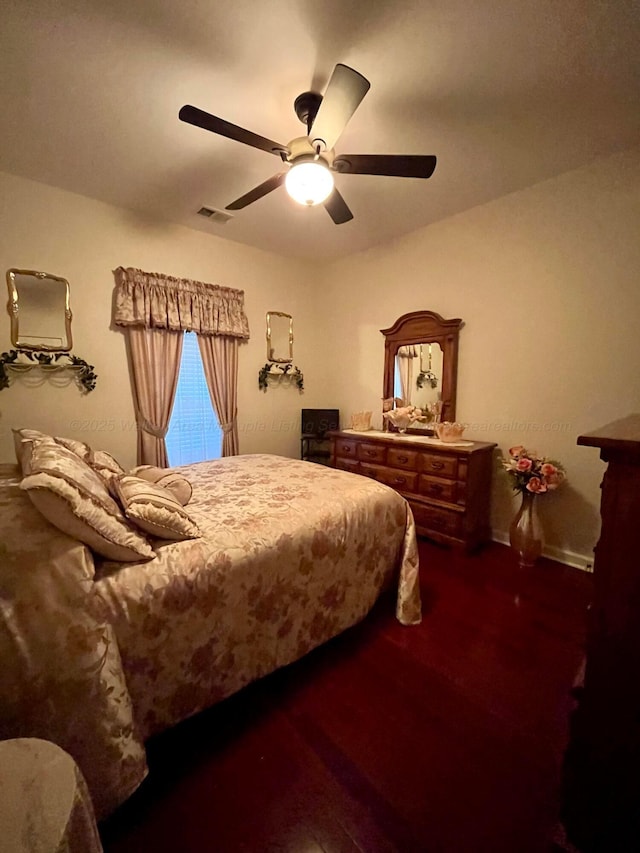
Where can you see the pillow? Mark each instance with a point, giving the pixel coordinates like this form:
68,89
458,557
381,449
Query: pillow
19,435
105,465
167,477
154,509
80,448
102,462
71,496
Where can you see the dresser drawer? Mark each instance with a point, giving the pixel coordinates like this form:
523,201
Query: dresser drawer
348,465
403,481
437,520
346,448
372,471
398,458
372,453
439,464
434,487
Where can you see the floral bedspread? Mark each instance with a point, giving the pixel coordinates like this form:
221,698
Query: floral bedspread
292,554
61,678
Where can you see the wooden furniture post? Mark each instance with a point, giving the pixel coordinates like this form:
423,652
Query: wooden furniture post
601,777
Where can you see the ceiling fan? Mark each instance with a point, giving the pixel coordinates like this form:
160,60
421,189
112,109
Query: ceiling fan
311,159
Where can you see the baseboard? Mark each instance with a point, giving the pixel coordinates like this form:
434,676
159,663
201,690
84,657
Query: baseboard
560,555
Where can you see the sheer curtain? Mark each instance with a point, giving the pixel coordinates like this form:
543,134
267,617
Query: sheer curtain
155,311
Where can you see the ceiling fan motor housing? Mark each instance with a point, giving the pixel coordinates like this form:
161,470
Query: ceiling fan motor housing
302,150
306,106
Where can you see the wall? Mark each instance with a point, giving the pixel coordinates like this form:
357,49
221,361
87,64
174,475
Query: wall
84,240
546,280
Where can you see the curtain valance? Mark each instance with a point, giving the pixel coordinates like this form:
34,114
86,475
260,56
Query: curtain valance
156,301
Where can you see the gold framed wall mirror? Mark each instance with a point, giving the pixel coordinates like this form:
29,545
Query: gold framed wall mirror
421,366
40,311
279,337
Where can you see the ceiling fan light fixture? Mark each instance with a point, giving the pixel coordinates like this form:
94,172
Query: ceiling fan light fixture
309,182
311,158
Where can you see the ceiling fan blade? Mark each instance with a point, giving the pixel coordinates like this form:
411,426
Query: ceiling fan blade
197,117
396,165
345,91
257,192
337,208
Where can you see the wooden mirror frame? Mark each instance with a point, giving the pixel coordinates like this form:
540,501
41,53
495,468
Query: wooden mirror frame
425,327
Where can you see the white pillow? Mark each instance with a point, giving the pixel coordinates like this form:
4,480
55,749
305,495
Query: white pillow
74,498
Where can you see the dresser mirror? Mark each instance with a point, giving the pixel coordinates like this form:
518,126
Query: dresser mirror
39,310
420,366
279,337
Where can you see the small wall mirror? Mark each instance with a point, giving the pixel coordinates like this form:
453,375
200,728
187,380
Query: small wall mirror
279,337
39,310
421,364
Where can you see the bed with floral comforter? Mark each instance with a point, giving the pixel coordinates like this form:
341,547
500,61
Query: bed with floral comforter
98,656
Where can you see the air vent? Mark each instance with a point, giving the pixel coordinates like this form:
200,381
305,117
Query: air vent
221,217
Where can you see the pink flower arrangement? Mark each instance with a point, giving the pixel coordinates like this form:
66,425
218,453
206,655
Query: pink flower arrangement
532,473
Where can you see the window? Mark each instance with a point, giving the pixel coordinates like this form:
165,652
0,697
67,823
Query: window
194,432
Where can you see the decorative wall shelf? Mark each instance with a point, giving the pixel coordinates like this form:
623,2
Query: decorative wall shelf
49,364
281,374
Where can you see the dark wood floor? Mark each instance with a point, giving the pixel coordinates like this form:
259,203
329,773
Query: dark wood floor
444,738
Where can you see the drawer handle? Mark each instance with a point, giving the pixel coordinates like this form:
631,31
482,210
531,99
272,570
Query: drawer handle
437,466
346,450
371,452
436,488
400,481
403,458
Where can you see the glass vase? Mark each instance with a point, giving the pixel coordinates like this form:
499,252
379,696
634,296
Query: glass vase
525,532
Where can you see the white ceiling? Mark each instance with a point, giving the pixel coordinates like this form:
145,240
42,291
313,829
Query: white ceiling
505,92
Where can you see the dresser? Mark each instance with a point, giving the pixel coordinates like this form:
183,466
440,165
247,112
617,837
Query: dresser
448,486
601,774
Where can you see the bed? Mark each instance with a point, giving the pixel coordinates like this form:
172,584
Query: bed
98,656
